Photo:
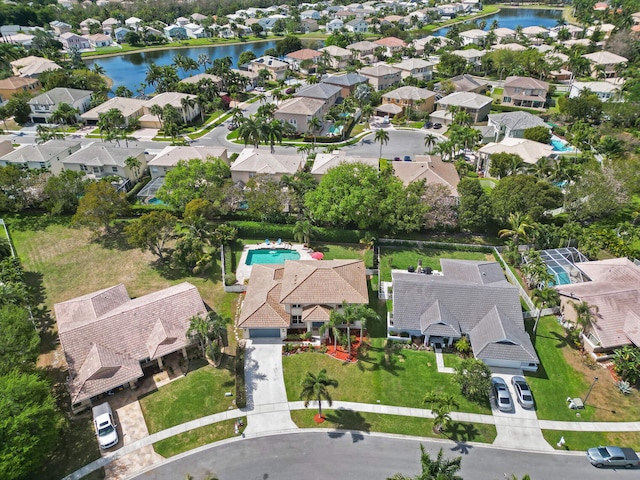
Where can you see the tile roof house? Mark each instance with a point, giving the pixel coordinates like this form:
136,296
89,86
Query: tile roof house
392,44
430,168
411,97
469,298
382,77
474,36
60,27
606,91
357,26
478,106
614,296
528,150
503,34
299,56
346,81
363,50
329,94
85,25
13,85
472,56
251,162
99,160
525,92
605,61
48,155
108,338
6,147
32,66
131,108
298,294
339,56
109,25
415,67
298,111
325,161
169,157
274,66
188,113
466,83
334,25
513,124
98,40
194,79
43,105
70,40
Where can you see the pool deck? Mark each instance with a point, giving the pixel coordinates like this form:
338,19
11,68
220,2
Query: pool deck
243,272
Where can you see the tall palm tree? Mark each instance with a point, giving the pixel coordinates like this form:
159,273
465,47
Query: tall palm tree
314,124
381,136
430,140
333,326
200,329
519,224
587,315
354,313
133,164
544,297
204,60
314,387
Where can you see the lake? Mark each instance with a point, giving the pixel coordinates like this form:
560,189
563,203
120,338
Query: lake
512,17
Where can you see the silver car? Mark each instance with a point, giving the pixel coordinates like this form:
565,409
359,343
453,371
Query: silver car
523,392
501,392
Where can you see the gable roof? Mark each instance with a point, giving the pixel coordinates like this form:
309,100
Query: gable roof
322,91
345,79
336,51
60,95
40,152
391,42
262,161
15,83
105,333
409,93
465,83
430,168
517,120
604,58
301,106
325,161
474,33
529,150
363,46
168,98
170,155
304,54
438,321
525,82
201,76
100,154
466,100
412,63
379,71
128,106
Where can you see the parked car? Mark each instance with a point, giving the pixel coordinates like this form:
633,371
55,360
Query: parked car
289,90
104,425
437,126
260,89
396,159
232,126
407,158
428,124
523,392
502,395
613,457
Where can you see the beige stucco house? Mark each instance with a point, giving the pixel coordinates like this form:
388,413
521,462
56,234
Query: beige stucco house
251,162
298,111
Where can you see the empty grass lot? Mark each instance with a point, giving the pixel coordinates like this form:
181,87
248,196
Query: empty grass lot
374,422
563,374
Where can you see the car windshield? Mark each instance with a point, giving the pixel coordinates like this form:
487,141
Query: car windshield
104,431
504,400
603,452
524,386
526,397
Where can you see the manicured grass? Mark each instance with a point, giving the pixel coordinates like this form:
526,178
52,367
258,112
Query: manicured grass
451,360
564,374
200,393
402,257
585,440
403,381
195,438
373,422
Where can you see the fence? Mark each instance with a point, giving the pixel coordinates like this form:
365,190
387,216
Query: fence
514,280
429,243
229,288
6,232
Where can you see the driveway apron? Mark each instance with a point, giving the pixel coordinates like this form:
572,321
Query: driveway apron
267,407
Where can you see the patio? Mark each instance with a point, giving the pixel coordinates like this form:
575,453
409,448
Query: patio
243,272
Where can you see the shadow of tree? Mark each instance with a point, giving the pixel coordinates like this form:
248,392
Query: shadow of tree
35,220
41,315
252,376
344,419
461,432
113,240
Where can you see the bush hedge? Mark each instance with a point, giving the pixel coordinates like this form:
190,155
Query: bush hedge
241,389
508,108
249,229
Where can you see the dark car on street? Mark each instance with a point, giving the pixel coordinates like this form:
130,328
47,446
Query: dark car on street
437,126
428,124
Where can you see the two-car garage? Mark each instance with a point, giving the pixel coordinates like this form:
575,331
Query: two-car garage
264,333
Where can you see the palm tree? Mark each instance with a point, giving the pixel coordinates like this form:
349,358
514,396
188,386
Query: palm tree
314,387
381,136
314,124
439,469
187,104
430,140
518,226
204,60
332,325
158,112
200,328
133,164
303,231
544,297
441,405
273,133
353,313
65,113
44,134
585,315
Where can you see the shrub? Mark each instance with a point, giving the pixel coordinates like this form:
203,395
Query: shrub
306,336
463,346
249,229
624,387
241,389
230,279
405,334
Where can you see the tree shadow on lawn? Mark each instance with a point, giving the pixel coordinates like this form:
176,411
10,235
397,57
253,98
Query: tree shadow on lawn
113,239
461,432
344,419
41,315
35,221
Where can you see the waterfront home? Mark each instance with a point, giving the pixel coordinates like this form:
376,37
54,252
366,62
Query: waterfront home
357,26
525,92
382,77
120,33
347,82
32,66
109,25
605,91
195,30
98,40
340,57
175,32
187,112
477,106
14,85
429,168
170,156
411,98
334,25
72,41
299,56
573,30
133,23
251,162
474,36
299,111
43,105
308,25
131,109
275,67
416,68
195,79
329,94
514,124
503,34
325,161
535,33
605,63
41,156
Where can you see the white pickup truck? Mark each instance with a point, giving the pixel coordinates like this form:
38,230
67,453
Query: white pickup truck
104,425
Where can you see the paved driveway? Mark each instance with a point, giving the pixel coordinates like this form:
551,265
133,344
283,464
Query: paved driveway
267,406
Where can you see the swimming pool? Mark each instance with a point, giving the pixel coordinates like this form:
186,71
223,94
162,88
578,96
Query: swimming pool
560,145
270,256
155,201
333,130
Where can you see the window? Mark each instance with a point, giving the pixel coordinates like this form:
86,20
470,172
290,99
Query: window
296,319
84,168
42,165
506,100
114,169
296,305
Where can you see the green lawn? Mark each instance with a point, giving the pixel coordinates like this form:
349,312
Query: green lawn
373,422
403,257
563,374
200,393
585,440
195,438
403,381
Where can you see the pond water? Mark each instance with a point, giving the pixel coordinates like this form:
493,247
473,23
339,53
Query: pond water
512,17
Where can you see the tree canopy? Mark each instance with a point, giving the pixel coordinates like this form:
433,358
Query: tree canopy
525,194
100,206
19,340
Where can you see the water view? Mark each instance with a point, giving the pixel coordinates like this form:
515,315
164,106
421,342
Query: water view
512,17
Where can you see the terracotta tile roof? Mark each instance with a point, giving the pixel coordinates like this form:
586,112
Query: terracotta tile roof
316,313
105,333
14,83
391,42
304,54
525,82
261,306
430,168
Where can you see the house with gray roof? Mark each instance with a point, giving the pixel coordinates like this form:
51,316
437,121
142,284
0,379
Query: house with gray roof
466,299
43,105
477,106
346,81
48,155
513,124
100,160
465,83
329,94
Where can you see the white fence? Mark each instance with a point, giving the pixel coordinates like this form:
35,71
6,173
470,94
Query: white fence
514,280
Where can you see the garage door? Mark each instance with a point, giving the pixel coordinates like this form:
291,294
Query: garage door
264,332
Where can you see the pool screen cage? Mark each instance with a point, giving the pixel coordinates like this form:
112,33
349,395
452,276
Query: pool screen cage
561,264
150,189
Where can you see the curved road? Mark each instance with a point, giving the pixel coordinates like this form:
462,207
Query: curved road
354,456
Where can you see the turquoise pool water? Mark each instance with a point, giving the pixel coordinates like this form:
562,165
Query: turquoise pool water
333,130
560,145
155,201
268,256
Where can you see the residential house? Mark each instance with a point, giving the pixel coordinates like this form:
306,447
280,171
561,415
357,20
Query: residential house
198,17
528,150
298,111
6,147
411,98
120,33
187,112
429,168
613,295
382,77
466,299
98,40
175,32
308,25
194,30
108,339
32,67
514,47
20,39
41,156
85,25
477,106
448,11
348,82
605,63
606,91
605,30
334,25
131,109
182,21
363,50
340,57
195,79
170,156
60,27
429,44
329,94
267,23
71,41
472,56
535,34
474,37
299,56
251,162
465,83
311,14
43,105
573,30
357,26
275,67
392,45
525,92
514,124
133,23
301,294
109,25
326,161
99,160
504,34
14,85
416,68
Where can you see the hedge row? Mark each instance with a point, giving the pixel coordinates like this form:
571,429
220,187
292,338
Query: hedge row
229,276
241,388
248,229
509,108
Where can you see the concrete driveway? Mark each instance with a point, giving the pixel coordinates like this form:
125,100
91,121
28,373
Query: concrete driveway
267,408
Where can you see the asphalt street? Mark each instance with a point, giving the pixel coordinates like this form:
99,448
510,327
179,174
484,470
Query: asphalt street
356,456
